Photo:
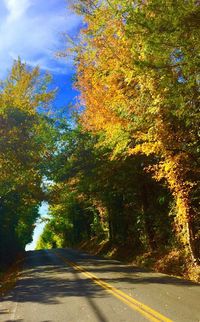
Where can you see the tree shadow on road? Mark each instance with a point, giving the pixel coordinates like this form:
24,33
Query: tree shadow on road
47,279
47,283
128,273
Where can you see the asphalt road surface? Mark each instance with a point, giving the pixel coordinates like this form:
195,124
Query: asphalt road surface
65,285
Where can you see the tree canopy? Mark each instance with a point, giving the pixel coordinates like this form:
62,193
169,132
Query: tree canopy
138,74
24,146
126,168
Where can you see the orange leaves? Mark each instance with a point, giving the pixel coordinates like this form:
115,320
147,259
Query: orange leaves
135,72
100,72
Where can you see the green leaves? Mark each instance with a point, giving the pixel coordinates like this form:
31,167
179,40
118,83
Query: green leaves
138,73
25,138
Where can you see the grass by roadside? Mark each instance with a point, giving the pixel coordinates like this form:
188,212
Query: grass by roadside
171,262
8,278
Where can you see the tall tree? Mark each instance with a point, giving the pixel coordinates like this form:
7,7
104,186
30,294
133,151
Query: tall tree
138,73
112,199
24,144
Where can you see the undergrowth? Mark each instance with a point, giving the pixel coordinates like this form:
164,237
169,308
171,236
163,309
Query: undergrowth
8,278
172,262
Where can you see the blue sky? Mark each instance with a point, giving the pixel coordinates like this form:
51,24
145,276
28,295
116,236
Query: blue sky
33,30
39,227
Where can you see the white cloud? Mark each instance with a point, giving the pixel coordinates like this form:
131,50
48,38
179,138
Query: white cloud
32,30
16,8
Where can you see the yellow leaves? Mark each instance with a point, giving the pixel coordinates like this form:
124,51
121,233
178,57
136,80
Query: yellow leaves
134,91
129,77
146,148
25,89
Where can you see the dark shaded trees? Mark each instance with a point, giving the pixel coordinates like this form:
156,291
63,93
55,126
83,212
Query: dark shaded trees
138,73
24,144
93,195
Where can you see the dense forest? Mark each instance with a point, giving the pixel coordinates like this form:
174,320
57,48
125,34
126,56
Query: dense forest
126,166
26,138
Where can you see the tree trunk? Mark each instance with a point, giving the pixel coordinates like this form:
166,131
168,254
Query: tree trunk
148,221
184,226
180,184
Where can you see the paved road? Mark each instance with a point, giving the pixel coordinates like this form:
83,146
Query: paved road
65,285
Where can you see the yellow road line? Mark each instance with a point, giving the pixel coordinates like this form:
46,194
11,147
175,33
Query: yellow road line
146,311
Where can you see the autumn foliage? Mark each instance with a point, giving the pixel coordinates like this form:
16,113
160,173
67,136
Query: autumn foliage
138,73
24,145
126,168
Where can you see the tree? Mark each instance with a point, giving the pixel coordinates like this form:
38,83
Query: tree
138,73
93,196
24,144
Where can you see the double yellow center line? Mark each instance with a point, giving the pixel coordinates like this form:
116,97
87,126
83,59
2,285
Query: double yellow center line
143,309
